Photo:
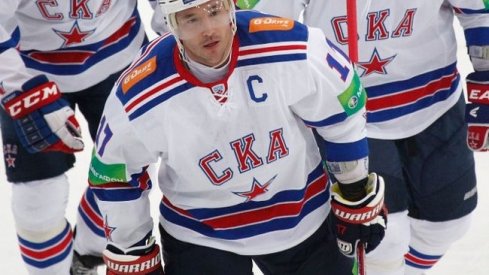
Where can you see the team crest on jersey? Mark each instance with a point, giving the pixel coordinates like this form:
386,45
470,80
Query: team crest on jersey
376,64
10,153
270,24
220,93
257,189
138,73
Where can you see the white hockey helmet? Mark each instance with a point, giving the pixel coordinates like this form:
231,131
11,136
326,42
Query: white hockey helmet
171,7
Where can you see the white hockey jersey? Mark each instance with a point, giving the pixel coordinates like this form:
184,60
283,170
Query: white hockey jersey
407,54
75,43
240,169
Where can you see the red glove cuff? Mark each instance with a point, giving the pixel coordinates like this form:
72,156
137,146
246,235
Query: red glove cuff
33,99
118,264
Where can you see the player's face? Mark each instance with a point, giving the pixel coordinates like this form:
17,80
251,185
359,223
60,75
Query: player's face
206,32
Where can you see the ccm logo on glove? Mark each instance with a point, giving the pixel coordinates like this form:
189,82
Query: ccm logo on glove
31,100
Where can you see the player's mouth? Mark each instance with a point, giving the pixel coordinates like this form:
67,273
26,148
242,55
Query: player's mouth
211,44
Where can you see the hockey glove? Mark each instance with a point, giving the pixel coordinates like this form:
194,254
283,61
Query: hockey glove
362,221
477,111
139,260
43,120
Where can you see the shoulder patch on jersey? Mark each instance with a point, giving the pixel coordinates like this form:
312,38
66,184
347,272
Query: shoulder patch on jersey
138,73
270,24
101,173
246,4
354,97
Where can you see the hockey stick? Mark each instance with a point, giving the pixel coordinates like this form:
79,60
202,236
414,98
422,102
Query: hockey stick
351,21
361,259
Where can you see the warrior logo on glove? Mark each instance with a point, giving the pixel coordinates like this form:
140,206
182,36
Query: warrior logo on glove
360,222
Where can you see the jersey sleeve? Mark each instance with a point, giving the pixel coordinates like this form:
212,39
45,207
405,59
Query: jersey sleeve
335,101
13,72
120,178
474,18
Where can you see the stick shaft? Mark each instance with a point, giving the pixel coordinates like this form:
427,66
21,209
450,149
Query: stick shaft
351,18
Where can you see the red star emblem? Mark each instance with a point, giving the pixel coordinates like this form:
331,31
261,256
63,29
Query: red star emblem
375,64
74,36
108,229
256,189
10,161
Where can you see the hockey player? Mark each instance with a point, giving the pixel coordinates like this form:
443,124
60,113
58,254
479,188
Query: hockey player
225,102
415,115
55,55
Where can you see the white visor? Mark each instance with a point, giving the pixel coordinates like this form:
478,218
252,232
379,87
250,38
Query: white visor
189,23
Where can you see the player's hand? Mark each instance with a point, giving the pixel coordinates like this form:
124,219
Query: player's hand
43,120
362,221
477,111
137,260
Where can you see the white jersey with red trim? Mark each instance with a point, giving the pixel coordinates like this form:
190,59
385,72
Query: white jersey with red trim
240,169
407,54
75,43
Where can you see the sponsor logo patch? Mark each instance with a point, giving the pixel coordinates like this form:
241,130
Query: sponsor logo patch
138,73
101,173
271,24
353,98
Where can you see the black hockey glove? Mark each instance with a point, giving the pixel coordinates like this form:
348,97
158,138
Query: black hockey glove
363,221
477,111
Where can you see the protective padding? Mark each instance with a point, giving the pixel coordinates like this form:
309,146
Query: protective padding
39,207
388,257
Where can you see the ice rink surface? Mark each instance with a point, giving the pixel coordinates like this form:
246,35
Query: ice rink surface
469,256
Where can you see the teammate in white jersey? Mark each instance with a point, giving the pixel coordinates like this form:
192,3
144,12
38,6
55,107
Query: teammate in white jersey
55,55
226,102
415,115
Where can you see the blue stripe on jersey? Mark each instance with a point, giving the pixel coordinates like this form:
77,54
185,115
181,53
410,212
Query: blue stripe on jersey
388,114
117,194
49,243
291,195
346,151
51,261
297,33
249,229
414,82
271,59
90,199
124,191
158,100
12,42
43,258
334,119
470,11
99,52
477,36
